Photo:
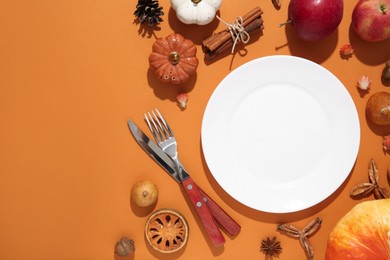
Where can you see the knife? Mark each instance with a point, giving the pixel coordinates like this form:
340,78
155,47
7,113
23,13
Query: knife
157,154
152,149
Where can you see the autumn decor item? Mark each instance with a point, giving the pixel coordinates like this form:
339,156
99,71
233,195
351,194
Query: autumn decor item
363,83
386,143
378,108
313,20
271,247
173,59
346,51
302,235
199,12
371,20
371,187
124,247
182,99
144,193
362,234
149,11
238,31
166,230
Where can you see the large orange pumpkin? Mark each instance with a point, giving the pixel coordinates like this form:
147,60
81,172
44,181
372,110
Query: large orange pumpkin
362,234
173,59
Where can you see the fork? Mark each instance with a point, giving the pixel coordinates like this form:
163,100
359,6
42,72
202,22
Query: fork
165,138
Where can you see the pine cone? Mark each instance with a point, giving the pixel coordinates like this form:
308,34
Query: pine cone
150,11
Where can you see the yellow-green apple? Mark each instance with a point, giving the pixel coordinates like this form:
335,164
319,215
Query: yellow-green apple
362,234
371,20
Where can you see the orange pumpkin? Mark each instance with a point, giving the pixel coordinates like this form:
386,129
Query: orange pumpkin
362,234
173,59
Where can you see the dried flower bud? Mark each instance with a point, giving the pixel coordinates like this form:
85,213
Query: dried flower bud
182,99
346,50
124,247
364,83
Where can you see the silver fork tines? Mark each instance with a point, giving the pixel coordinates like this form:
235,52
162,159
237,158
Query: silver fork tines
153,128
164,122
158,126
163,136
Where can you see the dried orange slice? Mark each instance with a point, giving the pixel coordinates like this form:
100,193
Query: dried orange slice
166,230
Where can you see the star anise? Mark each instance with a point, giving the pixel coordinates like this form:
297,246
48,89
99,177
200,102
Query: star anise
372,187
271,247
303,234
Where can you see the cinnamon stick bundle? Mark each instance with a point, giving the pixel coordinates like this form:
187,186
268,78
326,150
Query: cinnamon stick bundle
223,40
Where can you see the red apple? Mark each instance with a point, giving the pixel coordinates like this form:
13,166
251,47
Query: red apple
313,20
371,20
362,234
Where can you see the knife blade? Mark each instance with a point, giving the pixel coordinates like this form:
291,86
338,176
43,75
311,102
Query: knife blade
158,155
152,149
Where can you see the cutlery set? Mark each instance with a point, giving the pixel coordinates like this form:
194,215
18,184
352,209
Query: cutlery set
164,152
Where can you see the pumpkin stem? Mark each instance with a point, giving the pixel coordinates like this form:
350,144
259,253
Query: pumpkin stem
196,1
174,57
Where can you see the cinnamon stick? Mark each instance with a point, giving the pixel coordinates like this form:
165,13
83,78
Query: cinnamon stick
217,39
255,25
223,40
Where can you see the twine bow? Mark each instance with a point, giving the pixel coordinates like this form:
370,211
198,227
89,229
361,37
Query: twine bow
237,31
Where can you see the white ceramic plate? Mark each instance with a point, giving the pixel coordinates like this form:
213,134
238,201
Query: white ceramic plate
280,134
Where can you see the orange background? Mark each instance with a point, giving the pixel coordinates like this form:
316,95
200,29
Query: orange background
73,72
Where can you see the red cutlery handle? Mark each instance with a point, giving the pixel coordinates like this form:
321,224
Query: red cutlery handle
203,211
226,221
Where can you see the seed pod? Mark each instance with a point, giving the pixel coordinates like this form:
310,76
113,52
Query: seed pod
312,227
289,230
361,190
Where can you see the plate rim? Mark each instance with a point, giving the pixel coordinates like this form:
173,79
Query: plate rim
345,91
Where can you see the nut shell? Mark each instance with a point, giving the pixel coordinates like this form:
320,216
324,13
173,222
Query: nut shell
166,230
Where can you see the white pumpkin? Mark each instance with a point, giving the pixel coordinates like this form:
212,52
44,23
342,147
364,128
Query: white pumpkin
199,12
